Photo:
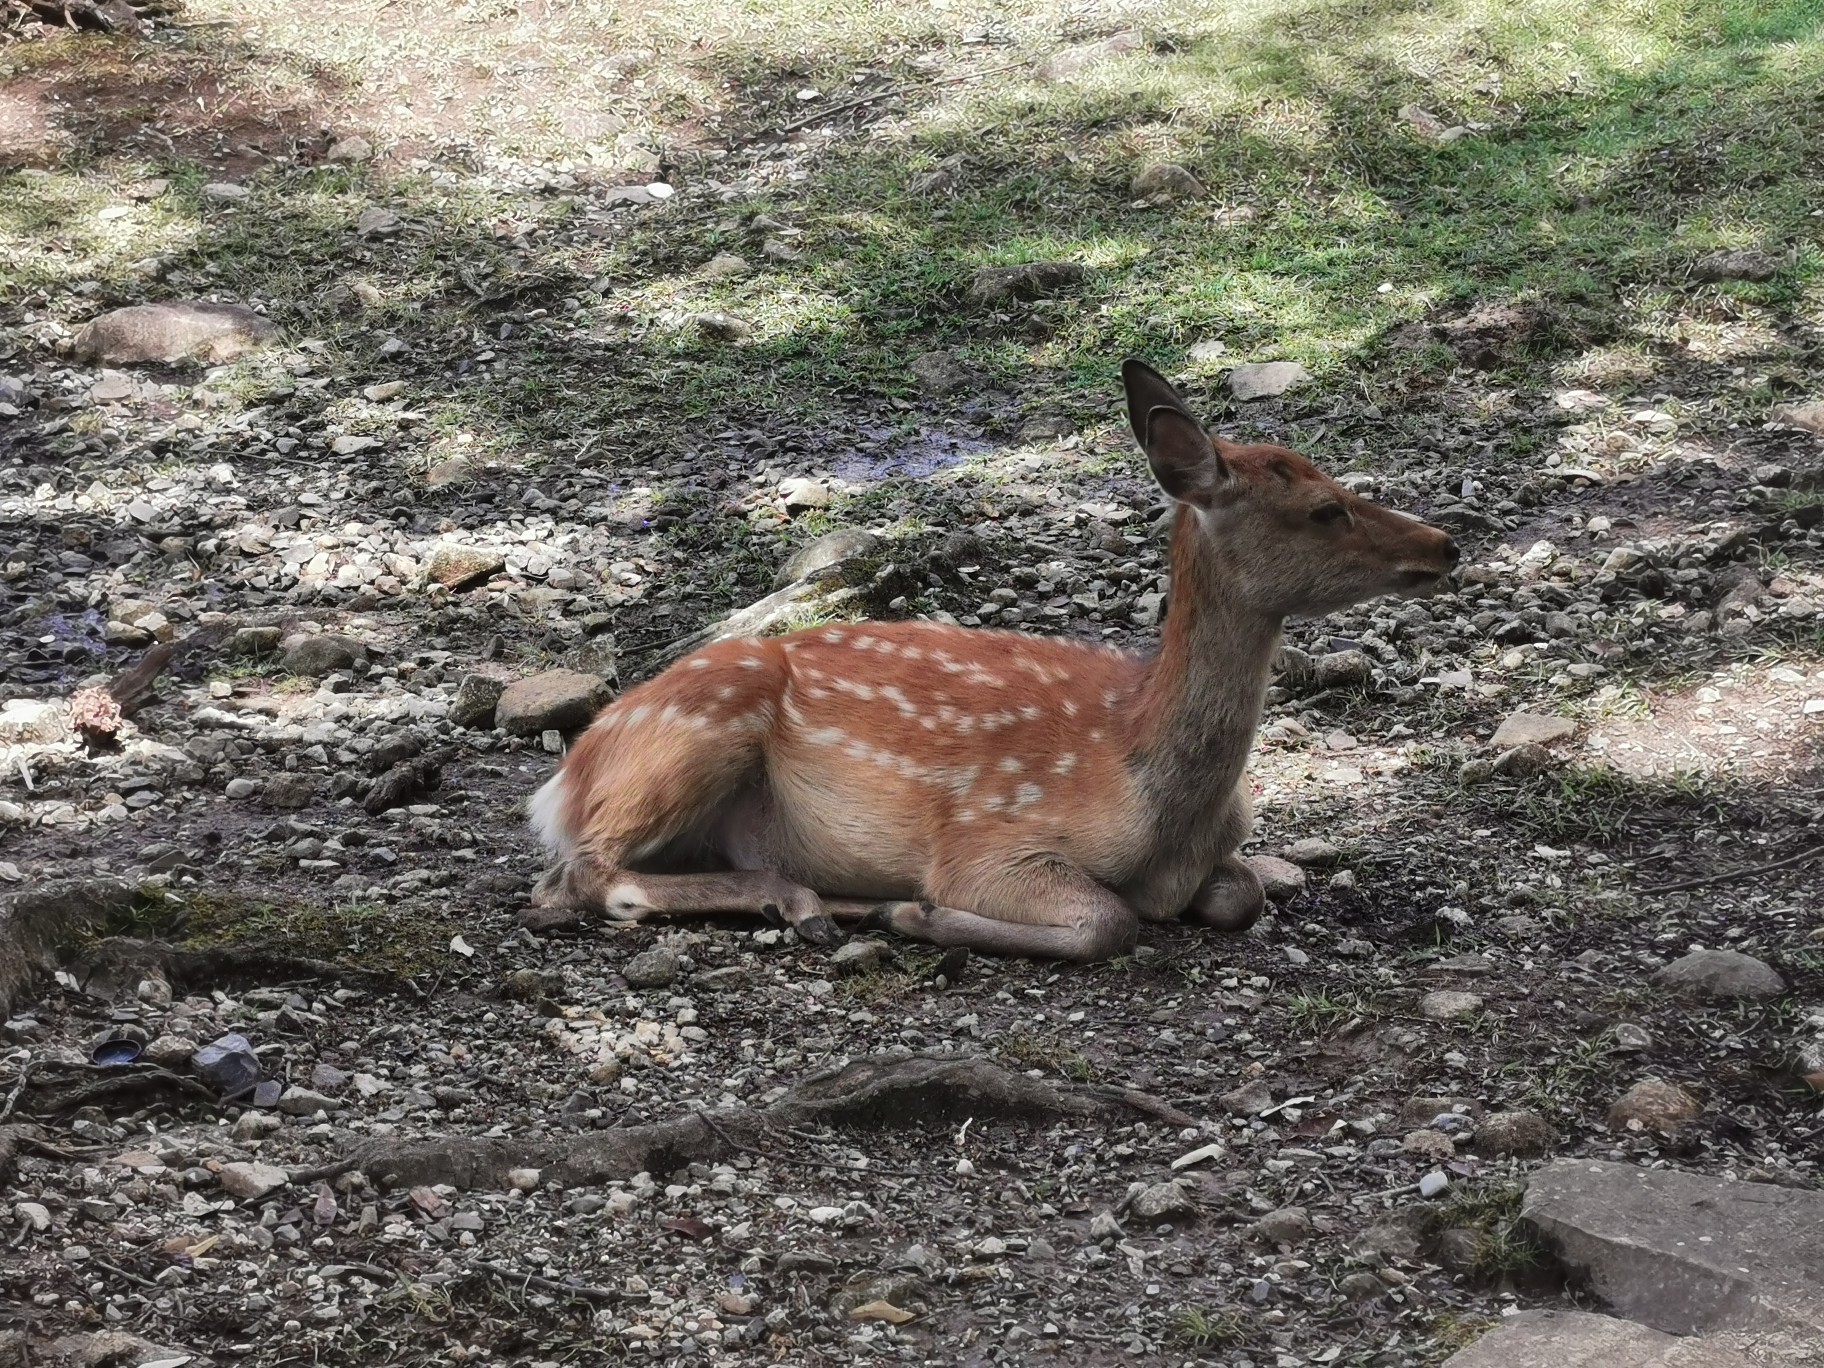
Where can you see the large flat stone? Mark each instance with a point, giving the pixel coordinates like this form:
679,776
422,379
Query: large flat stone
180,330
1683,1253
1577,1339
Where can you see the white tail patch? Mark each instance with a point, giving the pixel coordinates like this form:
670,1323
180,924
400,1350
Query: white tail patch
547,817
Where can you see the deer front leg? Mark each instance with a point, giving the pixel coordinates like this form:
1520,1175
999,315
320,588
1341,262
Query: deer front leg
1039,909
1232,898
625,895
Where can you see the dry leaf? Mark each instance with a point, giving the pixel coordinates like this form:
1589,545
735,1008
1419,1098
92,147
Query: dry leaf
881,1311
688,1226
462,947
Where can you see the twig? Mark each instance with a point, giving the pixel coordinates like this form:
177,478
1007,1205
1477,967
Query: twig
1730,874
733,1143
12,1098
830,111
133,1278
601,1294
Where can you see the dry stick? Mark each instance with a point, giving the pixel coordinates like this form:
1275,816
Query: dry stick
830,111
317,1175
601,1294
12,1098
1730,874
133,1278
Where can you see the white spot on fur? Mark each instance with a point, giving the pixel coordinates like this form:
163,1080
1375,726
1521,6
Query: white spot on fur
1009,765
826,736
994,803
752,663
964,815
699,663
1026,795
1030,713
546,810
1070,707
726,691
638,715
1066,763
833,636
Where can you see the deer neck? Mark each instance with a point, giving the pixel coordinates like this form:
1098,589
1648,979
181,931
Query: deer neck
1202,696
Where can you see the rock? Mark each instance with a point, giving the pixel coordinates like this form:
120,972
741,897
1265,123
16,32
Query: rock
1430,1145
993,284
1524,761
1266,379
113,387
524,1179
377,221
1448,1005
561,700
1210,349
30,721
1343,669
1281,878
1250,1099
1523,1134
352,444
289,791
828,551
1581,1339
1460,1250
254,641
1655,1105
113,1349
654,968
296,1101
1389,1240
1720,976
250,1182
317,656
1166,180
721,326
32,1214
726,266
225,192
1361,1286
475,701
1685,1253
1073,61
1421,1112
1287,1227
1044,427
1314,852
457,470
349,149
801,492
1744,264
941,372
182,330
857,957
1522,728
1809,416
458,567
1163,1202
1628,1038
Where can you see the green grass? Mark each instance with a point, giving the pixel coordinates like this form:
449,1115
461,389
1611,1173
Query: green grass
1614,143
1049,1052
1597,805
1315,1013
1505,1246
1196,1328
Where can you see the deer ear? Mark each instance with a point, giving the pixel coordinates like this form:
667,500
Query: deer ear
1184,460
1147,390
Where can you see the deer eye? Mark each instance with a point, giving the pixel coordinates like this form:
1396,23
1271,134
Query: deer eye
1329,514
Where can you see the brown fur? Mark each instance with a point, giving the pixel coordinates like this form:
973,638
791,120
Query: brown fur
1016,794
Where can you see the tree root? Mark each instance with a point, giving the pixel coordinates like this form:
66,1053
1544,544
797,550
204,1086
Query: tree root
112,966
877,1093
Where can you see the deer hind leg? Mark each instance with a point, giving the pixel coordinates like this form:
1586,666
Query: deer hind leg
1038,909
1232,898
623,894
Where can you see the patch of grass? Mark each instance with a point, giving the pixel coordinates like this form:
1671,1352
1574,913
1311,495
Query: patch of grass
1197,1328
1505,1246
1048,1052
1597,805
1563,1077
387,939
1316,1013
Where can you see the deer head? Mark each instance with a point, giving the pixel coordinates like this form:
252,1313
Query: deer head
1281,537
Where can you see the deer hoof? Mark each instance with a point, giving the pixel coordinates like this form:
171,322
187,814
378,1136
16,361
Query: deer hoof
879,918
552,890
818,930
771,914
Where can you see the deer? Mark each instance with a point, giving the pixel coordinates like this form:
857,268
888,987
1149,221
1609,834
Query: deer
1011,793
